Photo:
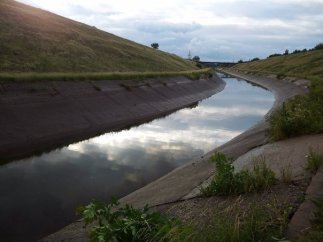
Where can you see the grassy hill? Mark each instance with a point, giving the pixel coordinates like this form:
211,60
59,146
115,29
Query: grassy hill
34,40
307,65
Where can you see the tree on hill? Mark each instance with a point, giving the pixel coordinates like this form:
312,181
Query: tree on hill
155,45
196,58
286,52
319,46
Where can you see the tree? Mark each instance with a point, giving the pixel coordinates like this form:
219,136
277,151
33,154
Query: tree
196,58
318,46
155,45
286,52
240,61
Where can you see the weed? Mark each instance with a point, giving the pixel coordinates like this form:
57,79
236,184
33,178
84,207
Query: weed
314,161
286,174
315,233
298,116
227,182
251,223
110,222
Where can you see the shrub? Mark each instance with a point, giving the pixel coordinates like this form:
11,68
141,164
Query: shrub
227,182
113,223
314,161
255,59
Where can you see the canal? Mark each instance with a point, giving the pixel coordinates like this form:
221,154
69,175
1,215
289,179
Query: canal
39,195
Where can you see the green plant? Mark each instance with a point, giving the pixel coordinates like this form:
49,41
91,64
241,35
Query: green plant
111,222
286,174
298,116
314,161
315,233
227,182
238,223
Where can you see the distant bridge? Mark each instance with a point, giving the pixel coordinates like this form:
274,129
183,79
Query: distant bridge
217,63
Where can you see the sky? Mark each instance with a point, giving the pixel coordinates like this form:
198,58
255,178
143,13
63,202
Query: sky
214,30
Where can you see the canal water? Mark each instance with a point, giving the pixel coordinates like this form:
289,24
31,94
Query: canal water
39,195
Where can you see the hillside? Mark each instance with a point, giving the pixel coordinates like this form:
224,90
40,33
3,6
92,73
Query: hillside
34,40
307,65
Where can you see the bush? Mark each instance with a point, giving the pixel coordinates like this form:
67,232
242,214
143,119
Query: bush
112,223
255,59
227,182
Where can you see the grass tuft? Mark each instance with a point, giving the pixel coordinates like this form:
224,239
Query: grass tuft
314,161
226,182
315,232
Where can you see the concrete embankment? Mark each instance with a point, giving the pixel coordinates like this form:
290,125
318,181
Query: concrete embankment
182,182
39,116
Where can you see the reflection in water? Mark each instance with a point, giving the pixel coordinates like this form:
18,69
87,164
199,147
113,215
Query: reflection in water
39,195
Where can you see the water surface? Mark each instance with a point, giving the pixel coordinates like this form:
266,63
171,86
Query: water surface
39,195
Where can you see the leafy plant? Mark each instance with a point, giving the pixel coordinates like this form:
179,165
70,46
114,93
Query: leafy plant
314,161
227,182
111,222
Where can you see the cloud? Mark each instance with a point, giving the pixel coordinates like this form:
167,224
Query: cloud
215,30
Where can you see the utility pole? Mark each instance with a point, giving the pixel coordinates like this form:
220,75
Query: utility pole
189,55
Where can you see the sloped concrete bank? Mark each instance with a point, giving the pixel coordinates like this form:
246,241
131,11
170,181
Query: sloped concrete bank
40,116
181,183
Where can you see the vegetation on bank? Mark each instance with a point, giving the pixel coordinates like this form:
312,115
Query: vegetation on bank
300,115
125,223
194,74
228,182
314,161
240,220
254,222
307,65
34,40
315,233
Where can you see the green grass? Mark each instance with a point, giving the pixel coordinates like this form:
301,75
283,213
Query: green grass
227,182
315,233
314,161
24,77
237,224
33,40
298,116
308,65
252,222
